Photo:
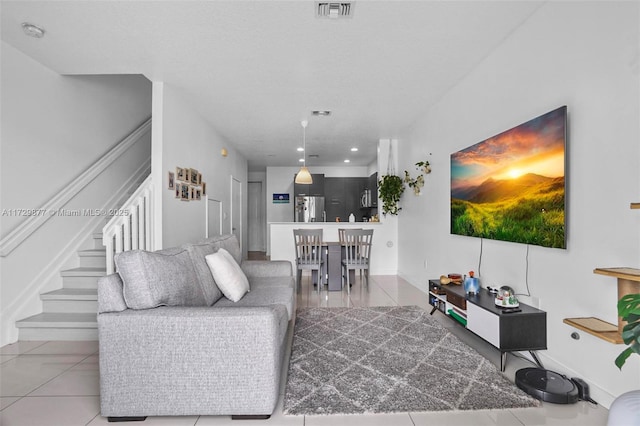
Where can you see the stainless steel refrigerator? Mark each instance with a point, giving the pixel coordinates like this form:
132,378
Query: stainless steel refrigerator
309,209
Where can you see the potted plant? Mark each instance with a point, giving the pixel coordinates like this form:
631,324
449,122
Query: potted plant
390,189
417,183
629,311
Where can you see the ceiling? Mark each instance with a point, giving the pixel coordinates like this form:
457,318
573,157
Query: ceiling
255,69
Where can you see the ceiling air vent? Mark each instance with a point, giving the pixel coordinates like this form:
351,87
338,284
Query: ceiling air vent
334,10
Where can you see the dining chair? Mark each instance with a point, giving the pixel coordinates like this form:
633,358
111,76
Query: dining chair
308,243
357,253
343,245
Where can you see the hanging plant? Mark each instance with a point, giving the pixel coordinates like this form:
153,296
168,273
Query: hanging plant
390,189
417,183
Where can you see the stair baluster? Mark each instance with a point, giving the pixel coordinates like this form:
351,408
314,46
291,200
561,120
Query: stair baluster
133,230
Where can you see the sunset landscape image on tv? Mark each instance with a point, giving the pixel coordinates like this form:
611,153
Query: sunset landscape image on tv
511,187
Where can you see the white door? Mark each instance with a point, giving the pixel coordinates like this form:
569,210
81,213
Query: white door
236,209
255,213
214,217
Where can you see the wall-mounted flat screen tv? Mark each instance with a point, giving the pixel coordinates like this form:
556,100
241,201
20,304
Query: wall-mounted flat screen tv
511,187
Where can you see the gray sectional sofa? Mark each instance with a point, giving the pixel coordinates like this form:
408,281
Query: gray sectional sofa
171,344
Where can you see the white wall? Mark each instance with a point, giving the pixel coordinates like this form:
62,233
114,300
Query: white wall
188,140
52,129
584,55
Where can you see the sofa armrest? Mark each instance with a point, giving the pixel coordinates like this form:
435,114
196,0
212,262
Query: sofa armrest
267,268
196,357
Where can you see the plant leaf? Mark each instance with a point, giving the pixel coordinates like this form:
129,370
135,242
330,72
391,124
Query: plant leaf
629,304
622,358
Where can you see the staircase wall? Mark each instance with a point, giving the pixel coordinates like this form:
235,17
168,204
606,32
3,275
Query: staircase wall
54,128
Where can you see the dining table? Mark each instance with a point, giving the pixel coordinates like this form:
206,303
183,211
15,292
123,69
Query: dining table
332,255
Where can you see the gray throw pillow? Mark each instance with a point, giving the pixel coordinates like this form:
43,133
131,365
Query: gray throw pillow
156,279
198,252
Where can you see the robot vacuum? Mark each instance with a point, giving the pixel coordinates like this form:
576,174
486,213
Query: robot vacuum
547,386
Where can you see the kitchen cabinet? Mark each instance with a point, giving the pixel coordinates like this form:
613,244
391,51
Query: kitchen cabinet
316,188
372,184
334,198
342,197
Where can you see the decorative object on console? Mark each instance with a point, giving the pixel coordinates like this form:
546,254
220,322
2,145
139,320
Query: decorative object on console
511,187
506,298
455,278
471,284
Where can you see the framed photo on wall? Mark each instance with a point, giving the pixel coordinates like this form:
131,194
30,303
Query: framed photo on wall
184,192
171,180
193,176
181,174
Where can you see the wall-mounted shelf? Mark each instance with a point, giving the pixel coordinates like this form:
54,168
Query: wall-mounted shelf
596,327
628,283
635,205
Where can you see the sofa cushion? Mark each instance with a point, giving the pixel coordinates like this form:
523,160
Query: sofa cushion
198,252
267,282
228,275
265,296
152,279
110,298
267,268
228,242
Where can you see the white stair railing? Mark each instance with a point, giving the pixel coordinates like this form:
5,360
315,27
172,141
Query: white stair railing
131,230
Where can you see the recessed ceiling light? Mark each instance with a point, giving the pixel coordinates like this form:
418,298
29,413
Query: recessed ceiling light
354,149
321,113
300,149
347,161
32,30
301,160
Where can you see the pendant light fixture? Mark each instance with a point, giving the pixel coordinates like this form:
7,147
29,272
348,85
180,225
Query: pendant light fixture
304,177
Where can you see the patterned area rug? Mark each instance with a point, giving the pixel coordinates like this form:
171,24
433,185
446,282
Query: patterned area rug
388,359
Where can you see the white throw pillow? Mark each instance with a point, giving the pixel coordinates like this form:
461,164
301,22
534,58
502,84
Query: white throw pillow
228,275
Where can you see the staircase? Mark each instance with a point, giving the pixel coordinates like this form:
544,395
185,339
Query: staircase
70,312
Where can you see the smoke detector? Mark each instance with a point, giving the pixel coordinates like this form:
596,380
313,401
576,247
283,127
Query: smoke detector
334,9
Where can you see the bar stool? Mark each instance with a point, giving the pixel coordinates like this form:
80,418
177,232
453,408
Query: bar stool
308,243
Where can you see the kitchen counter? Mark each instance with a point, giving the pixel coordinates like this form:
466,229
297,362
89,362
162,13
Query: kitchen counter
384,253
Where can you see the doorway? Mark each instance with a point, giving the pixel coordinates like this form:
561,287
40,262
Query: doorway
236,210
256,219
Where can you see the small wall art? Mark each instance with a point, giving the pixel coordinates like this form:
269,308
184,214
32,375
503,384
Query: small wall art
187,184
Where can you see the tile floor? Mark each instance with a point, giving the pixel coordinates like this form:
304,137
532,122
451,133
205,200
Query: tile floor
56,383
